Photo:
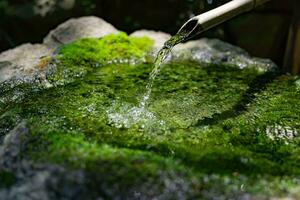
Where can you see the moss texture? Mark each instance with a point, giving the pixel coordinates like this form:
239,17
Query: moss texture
219,128
77,58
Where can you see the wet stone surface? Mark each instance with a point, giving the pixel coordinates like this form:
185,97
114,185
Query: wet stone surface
219,125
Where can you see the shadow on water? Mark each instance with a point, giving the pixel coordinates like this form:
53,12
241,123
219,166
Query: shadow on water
256,86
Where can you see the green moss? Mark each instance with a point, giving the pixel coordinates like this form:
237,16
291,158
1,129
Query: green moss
209,122
206,120
78,58
77,152
128,168
106,49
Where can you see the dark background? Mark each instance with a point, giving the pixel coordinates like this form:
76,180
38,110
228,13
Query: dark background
262,32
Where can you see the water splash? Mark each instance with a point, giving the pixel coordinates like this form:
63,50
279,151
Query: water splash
125,116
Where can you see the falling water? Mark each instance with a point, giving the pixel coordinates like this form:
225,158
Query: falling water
124,116
161,56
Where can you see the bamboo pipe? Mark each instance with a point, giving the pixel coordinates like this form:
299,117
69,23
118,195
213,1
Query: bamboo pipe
205,21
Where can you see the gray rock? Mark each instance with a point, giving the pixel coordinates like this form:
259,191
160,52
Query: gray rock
12,146
208,51
24,60
48,181
45,182
158,37
219,52
36,181
74,29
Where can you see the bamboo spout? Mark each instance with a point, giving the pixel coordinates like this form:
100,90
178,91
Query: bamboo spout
205,21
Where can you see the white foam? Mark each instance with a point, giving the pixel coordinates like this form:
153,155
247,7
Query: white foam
126,116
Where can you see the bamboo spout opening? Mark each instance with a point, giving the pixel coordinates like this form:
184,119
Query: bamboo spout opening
190,29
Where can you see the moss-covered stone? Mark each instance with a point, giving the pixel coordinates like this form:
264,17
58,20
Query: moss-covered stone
221,129
78,58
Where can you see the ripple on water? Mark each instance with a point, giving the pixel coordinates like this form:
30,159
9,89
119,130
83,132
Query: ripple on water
126,116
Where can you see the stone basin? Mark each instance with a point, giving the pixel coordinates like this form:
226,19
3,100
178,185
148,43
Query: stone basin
220,124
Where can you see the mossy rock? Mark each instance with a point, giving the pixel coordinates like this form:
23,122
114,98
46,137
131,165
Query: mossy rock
209,130
80,57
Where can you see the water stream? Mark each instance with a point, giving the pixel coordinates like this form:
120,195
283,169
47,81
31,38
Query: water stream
160,58
124,116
